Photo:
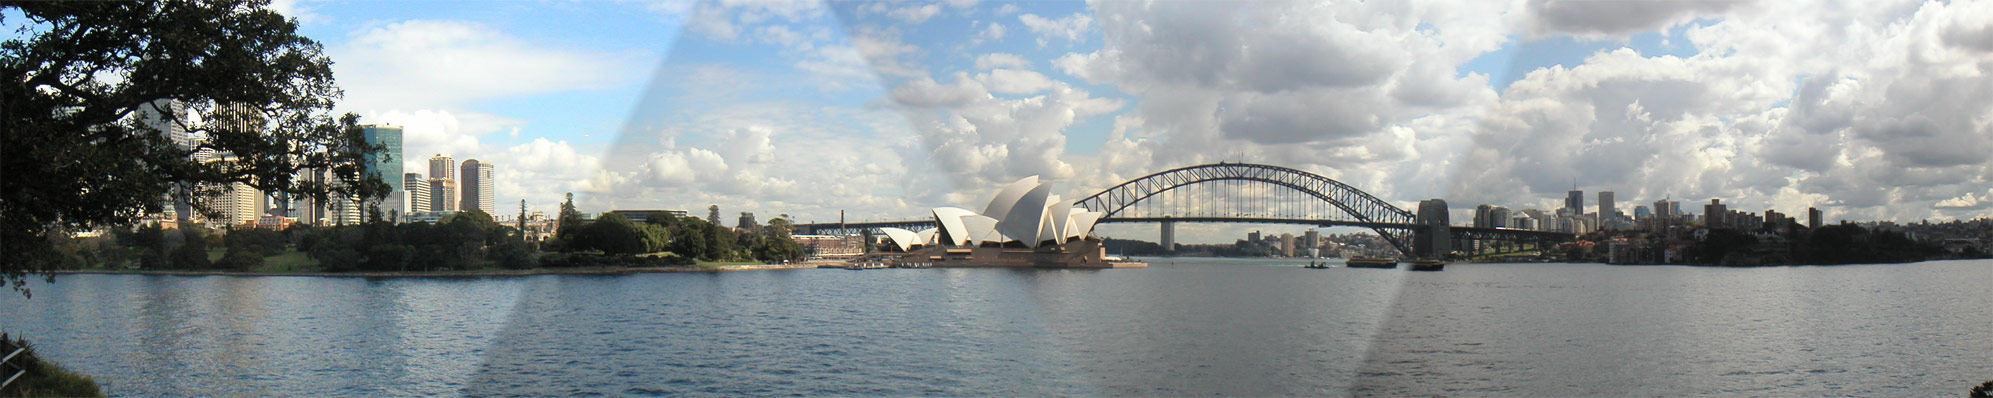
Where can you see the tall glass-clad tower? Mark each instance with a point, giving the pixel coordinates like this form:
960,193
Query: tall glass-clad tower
386,164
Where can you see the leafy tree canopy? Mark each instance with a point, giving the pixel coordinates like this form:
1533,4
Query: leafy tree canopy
99,84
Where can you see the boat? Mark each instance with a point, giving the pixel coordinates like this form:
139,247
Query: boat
1372,262
1312,264
1428,265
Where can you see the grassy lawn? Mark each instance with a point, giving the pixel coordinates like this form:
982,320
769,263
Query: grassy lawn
290,260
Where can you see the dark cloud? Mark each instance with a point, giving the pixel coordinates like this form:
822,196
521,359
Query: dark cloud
1619,18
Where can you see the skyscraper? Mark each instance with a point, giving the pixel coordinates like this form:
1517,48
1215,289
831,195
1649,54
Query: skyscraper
442,194
168,118
1574,202
386,165
418,192
1606,209
1813,217
240,204
443,184
477,186
1715,214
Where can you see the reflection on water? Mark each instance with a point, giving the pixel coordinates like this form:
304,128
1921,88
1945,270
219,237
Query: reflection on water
1182,327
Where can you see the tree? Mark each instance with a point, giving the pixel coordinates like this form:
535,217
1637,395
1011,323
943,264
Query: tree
97,162
713,214
690,238
192,253
260,241
613,234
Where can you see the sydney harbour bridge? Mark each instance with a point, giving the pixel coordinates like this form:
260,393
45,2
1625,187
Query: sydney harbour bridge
1264,194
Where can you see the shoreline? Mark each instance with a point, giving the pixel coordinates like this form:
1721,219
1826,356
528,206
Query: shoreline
456,274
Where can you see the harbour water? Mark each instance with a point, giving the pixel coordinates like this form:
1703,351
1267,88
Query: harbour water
1184,326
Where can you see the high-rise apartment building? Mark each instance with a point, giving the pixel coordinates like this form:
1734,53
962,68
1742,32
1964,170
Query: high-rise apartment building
442,167
477,183
418,192
1715,214
240,204
443,194
1813,217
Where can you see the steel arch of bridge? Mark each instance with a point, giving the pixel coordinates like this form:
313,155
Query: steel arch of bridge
1368,210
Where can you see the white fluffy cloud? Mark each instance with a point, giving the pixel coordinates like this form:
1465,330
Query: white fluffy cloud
421,64
1069,28
1357,92
1871,110
915,14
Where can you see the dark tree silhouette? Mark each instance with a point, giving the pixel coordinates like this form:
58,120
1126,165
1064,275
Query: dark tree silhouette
268,93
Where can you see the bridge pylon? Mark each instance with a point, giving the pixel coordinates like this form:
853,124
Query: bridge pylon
1433,236
1169,234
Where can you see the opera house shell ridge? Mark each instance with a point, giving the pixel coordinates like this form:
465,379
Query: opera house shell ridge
1023,225
1022,213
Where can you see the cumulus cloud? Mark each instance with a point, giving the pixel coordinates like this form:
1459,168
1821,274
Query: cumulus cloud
915,14
727,20
1069,28
993,31
1867,109
1352,91
1619,18
425,64
979,139
1001,60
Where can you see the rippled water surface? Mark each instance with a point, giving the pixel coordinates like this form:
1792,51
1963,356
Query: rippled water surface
1182,327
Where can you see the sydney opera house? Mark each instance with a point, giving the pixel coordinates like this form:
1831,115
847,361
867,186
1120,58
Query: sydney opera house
1025,225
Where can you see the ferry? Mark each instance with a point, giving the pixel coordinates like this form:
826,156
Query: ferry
1372,262
1428,265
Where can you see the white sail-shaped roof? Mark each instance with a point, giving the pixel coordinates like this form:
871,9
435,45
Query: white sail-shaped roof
950,219
927,236
982,229
1025,218
1059,212
901,238
1006,198
1081,224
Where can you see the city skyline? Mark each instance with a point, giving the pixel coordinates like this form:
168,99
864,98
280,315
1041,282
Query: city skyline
888,100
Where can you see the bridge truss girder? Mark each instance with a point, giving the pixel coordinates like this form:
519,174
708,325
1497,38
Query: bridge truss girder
1365,208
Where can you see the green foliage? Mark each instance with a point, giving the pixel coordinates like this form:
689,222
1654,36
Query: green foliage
613,234
1720,243
44,378
466,240
1852,244
690,238
260,241
93,162
240,259
192,253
